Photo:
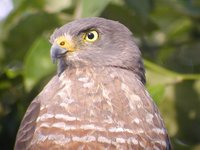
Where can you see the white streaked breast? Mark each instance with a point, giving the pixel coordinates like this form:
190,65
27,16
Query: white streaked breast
66,117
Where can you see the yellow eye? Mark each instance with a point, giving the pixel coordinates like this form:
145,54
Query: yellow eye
91,36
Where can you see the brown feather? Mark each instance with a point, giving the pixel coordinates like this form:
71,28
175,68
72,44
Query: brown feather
94,108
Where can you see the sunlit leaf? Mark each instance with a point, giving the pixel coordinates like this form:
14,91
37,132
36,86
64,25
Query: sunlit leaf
56,6
157,92
89,8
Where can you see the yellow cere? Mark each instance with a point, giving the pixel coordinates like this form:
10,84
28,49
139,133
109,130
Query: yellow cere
91,36
66,43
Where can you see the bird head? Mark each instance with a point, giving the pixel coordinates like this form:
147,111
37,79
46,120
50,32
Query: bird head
96,42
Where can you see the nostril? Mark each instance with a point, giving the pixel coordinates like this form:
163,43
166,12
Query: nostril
62,43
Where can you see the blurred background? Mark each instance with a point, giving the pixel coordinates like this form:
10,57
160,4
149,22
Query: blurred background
167,32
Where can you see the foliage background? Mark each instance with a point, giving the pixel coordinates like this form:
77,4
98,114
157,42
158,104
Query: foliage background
167,32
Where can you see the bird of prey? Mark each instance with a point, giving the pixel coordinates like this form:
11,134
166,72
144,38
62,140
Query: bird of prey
97,100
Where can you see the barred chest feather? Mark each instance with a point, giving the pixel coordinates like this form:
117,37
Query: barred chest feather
97,108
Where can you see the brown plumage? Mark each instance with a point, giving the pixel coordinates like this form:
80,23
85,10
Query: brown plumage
98,99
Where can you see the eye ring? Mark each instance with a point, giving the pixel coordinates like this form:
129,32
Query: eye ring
91,36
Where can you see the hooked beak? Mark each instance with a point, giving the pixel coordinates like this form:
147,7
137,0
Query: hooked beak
57,52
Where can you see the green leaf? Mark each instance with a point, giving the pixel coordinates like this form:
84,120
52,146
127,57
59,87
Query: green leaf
53,6
89,8
176,77
37,63
189,7
141,7
5,85
157,92
179,28
22,33
134,22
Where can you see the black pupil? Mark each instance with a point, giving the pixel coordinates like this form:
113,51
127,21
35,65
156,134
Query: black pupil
90,36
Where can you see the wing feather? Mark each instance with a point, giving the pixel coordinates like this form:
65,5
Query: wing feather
27,127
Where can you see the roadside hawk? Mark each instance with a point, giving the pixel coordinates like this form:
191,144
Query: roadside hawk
98,99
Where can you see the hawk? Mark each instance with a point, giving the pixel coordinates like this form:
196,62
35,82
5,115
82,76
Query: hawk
98,99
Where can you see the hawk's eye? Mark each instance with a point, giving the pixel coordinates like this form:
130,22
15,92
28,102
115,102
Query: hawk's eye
91,36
